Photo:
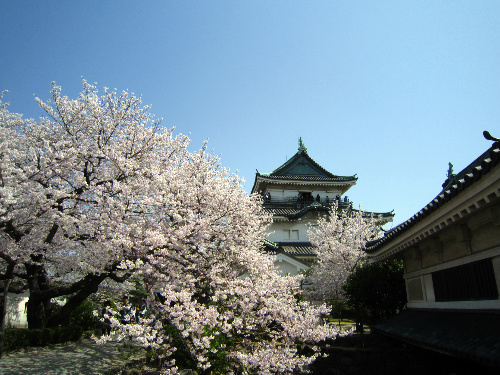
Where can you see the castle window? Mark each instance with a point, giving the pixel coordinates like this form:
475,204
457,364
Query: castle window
292,235
469,282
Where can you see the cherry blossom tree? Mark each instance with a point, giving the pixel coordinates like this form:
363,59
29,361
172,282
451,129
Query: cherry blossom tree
219,298
97,192
8,147
339,239
71,194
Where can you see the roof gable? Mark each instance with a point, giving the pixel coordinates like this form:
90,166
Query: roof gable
301,168
301,164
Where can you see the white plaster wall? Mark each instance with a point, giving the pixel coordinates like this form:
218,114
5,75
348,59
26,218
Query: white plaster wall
16,316
286,268
278,228
276,194
289,266
282,194
429,288
462,305
291,193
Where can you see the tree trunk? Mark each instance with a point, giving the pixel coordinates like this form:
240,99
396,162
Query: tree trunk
38,309
4,313
9,274
359,318
90,287
359,327
38,306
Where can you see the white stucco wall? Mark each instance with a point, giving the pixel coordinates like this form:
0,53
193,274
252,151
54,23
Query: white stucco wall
279,228
16,316
283,194
289,266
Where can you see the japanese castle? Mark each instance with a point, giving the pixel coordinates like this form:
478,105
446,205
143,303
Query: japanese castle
296,194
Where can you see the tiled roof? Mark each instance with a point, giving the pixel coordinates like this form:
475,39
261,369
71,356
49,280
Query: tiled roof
302,167
471,335
376,214
311,208
301,164
308,178
290,248
282,211
297,248
465,178
271,245
295,213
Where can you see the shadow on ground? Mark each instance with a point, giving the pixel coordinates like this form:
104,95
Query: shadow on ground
373,354
84,357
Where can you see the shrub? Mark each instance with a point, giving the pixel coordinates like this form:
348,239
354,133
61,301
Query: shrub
16,338
83,316
377,290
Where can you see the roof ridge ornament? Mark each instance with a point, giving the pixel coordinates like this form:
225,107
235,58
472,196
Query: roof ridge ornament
450,171
450,177
489,137
301,145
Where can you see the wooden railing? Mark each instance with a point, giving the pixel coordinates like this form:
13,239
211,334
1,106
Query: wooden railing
292,202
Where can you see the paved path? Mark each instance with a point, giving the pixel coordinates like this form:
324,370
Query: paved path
84,357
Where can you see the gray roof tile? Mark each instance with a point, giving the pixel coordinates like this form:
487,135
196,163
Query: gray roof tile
471,335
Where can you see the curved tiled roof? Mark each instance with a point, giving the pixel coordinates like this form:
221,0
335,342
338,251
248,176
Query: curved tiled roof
282,211
301,167
295,213
298,248
290,248
270,244
307,178
458,183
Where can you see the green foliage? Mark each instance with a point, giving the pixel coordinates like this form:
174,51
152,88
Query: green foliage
299,297
340,310
16,338
218,354
182,355
139,292
376,291
83,316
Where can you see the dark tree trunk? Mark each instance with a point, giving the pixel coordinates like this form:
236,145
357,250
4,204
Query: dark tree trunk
9,274
4,313
359,327
41,292
359,318
38,308
90,287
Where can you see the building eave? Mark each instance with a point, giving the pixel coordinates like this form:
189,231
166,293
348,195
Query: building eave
476,189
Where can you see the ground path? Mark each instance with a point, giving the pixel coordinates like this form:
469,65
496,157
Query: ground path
84,357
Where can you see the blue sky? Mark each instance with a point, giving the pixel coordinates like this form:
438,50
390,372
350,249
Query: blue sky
389,90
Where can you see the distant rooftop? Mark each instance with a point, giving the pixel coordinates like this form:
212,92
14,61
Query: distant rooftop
301,167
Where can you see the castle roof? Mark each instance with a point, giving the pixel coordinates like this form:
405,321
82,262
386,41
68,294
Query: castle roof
295,213
290,248
302,168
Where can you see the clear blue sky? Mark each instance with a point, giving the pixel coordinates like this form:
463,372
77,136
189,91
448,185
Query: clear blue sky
390,90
